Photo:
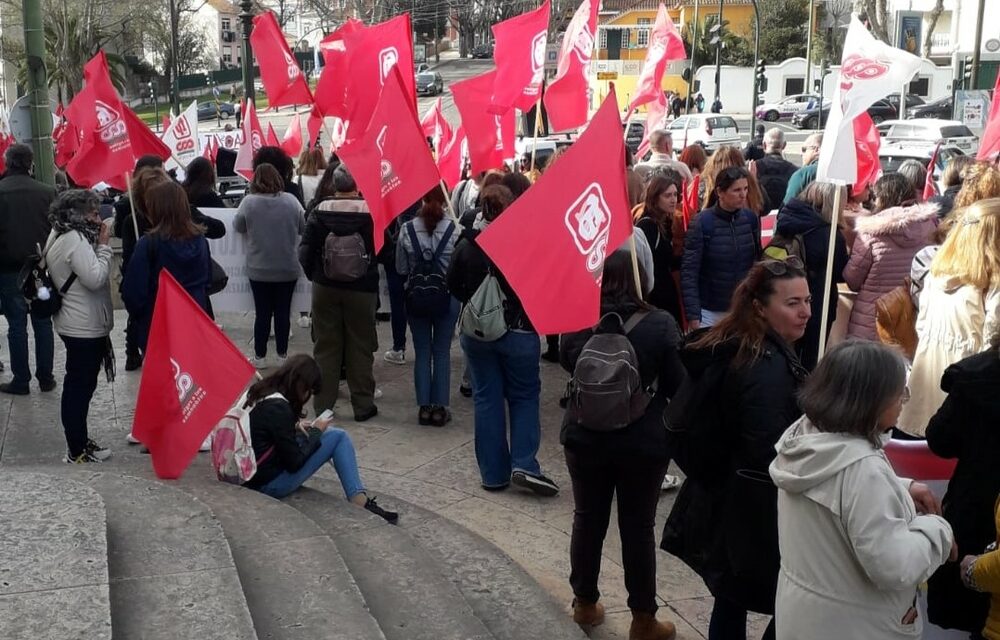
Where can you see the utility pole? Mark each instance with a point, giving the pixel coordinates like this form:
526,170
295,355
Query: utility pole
38,87
174,48
977,48
718,54
809,41
694,50
756,57
246,17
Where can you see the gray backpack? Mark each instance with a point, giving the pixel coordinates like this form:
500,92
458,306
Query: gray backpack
606,392
483,315
345,258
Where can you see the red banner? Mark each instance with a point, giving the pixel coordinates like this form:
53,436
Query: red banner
520,60
280,74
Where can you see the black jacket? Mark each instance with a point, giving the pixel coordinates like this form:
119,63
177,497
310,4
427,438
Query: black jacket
656,340
208,200
773,173
343,217
387,256
469,267
798,217
946,201
24,219
737,521
967,427
272,428
665,294
124,228
715,262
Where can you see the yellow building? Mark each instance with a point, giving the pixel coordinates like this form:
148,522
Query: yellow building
623,32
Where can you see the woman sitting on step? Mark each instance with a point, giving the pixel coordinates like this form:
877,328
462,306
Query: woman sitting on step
291,449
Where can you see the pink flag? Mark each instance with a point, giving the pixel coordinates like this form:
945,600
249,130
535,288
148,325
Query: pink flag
566,98
989,145
520,60
271,139
577,212
331,89
930,188
665,44
280,74
253,140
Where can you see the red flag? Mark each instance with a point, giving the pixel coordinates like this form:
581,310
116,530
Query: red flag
331,89
144,141
390,161
165,122
215,149
930,188
491,137
271,139
577,211
989,144
313,125
187,385
520,58
291,143
656,113
436,127
866,143
253,140
665,44
449,160
372,53
283,81
689,204
566,98
206,152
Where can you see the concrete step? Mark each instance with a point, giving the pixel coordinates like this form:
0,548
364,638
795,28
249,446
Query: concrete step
406,590
172,573
53,559
296,583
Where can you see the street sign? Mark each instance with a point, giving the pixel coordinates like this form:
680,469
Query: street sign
972,109
607,75
20,118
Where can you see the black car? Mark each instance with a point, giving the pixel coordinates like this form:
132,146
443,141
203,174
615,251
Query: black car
912,101
941,109
430,83
483,52
206,110
809,118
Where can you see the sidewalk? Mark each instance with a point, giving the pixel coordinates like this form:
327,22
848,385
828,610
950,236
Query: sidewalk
433,468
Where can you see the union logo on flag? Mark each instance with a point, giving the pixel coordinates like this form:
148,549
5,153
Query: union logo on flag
387,59
589,222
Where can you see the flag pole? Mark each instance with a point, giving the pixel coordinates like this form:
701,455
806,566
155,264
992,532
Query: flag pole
447,199
828,282
635,265
538,125
131,204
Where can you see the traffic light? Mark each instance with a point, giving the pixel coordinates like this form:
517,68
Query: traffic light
967,72
761,76
149,87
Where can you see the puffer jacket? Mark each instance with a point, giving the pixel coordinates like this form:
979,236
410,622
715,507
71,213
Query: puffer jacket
719,249
881,258
342,216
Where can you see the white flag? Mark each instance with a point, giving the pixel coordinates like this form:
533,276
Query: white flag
182,138
870,70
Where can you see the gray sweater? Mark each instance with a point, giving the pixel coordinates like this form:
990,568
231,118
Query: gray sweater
272,224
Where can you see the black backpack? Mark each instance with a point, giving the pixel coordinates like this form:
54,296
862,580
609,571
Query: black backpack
606,392
37,287
427,294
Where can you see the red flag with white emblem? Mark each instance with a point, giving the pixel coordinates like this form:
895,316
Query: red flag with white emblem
566,98
373,52
577,212
253,140
390,161
665,44
520,58
280,74
491,137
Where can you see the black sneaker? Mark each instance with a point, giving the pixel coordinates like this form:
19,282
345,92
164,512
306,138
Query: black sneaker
84,458
47,385
133,361
96,450
538,484
367,415
389,516
551,356
8,387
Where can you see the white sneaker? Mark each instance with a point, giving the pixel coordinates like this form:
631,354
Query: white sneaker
282,359
259,363
395,357
132,439
305,322
670,482
378,393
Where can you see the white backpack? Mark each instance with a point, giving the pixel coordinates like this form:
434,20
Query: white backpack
232,450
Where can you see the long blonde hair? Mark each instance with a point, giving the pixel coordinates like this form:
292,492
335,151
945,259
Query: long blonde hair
971,252
722,159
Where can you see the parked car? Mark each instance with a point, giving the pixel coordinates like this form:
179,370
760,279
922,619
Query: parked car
711,130
423,67
206,110
430,84
891,156
930,132
809,118
942,109
483,52
786,107
912,100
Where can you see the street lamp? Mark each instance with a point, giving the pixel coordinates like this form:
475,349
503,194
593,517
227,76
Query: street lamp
246,17
156,104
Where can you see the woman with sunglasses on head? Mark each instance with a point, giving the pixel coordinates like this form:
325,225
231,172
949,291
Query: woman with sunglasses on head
856,540
722,243
751,372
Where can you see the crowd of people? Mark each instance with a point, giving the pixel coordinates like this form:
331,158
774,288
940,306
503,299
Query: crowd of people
789,506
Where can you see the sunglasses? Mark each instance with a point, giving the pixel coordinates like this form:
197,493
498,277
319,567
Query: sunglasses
780,267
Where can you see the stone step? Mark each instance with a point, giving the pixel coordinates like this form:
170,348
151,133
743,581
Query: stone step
53,559
171,569
407,591
296,583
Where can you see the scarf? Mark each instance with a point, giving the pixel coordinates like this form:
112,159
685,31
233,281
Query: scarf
64,222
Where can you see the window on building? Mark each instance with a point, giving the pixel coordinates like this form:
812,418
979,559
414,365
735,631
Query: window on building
602,39
626,38
921,86
227,57
794,86
642,38
226,25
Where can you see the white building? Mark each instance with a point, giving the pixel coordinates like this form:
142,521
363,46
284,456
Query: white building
954,35
219,21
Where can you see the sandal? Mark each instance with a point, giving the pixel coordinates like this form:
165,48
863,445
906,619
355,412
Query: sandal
440,416
424,416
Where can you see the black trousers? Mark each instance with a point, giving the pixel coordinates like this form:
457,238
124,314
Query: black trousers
597,477
84,357
271,300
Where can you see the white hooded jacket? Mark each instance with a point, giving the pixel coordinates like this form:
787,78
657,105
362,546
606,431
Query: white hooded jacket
853,549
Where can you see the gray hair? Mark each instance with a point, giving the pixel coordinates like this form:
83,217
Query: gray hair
19,158
915,172
343,180
854,383
71,208
814,139
774,140
660,141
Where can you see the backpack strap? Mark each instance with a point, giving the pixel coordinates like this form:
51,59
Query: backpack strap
412,233
444,242
69,282
634,320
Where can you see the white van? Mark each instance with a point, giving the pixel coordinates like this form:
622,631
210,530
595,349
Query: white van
713,130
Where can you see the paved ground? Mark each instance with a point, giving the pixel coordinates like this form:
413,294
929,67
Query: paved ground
431,467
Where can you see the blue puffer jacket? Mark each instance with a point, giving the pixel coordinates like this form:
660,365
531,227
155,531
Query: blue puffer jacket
719,249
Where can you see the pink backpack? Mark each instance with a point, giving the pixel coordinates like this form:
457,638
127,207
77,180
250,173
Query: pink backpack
232,451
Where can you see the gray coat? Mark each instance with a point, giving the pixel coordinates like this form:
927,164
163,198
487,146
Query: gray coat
86,310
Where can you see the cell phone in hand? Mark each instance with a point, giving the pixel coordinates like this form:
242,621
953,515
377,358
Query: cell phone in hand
326,415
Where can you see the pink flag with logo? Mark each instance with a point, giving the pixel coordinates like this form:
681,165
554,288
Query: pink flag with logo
253,140
566,98
870,70
280,74
577,212
491,137
520,58
372,53
665,44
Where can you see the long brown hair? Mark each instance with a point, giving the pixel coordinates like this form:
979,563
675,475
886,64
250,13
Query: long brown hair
743,323
169,212
298,379
432,209
721,160
694,157
659,183
266,180
312,162
142,182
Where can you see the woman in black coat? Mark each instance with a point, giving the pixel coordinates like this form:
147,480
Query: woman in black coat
629,462
727,529
657,223
967,427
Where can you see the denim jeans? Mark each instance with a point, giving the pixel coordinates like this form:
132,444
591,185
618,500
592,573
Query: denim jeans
397,308
432,362
335,447
84,357
271,300
729,622
505,376
15,309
